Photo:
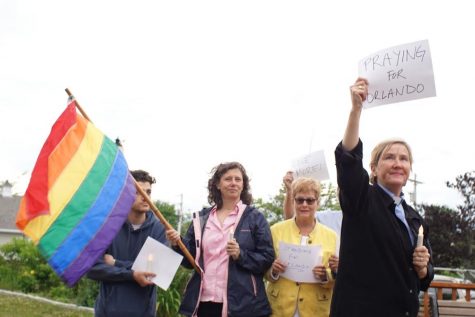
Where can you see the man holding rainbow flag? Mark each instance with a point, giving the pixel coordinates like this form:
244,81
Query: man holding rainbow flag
125,292
79,196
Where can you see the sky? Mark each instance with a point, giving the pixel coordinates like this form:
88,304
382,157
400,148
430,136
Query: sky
190,84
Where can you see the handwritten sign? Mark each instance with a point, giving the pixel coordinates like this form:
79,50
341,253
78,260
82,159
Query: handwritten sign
398,73
159,259
312,165
300,260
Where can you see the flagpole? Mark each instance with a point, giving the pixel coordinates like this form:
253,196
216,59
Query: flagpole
77,105
154,208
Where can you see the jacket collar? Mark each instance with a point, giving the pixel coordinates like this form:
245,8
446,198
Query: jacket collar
387,199
296,230
148,221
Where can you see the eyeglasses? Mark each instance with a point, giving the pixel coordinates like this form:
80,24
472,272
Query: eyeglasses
309,201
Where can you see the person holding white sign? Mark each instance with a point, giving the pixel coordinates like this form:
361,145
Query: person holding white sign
381,268
289,211
290,298
232,244
124,291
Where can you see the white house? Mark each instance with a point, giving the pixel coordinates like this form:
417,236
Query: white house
8,209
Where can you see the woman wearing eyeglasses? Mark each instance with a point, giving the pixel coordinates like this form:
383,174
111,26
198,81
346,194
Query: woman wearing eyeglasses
290,298
289,211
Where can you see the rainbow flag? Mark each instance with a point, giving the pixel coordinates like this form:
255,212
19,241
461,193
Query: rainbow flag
79,195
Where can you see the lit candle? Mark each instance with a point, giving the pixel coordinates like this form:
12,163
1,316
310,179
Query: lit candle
420,236
320,257
150,263
231,234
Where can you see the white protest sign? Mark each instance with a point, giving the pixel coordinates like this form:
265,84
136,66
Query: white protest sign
300,260
398,73
159,259
312,165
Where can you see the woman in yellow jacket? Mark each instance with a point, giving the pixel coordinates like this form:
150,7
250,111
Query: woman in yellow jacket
293,299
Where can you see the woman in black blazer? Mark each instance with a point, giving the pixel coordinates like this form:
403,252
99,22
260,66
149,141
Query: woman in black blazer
381,269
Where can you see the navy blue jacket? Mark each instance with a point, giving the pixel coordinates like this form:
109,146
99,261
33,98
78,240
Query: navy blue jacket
376,276
246,291
119,293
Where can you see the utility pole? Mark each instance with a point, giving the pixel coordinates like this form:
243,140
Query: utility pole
180,214
415,182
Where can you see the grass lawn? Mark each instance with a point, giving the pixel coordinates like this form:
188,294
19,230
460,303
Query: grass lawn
23,307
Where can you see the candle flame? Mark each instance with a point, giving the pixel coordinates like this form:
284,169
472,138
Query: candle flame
421,230
150,257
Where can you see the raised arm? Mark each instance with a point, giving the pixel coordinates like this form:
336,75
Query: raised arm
288,200
359,92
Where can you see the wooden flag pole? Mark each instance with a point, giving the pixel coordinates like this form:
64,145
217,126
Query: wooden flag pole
77,105
167,225
154,208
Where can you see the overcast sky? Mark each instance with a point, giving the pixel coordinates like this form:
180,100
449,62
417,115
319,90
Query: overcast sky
190,84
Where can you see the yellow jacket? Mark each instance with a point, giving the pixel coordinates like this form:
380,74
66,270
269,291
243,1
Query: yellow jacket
313,300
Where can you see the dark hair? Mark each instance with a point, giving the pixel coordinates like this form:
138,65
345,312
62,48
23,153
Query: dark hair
214,195
143,176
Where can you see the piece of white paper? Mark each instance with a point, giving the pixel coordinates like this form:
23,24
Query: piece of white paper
398,73
300,260
312,165
157,258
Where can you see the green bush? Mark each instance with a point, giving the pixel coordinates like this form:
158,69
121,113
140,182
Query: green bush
22,268
8,276
84,293
168,302
87,291
25,263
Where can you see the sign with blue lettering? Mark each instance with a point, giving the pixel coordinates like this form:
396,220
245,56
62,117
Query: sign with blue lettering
398,73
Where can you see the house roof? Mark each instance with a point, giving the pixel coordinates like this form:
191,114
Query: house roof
8,211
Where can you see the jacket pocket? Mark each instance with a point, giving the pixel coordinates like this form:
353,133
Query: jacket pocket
274,292
245,239
323,295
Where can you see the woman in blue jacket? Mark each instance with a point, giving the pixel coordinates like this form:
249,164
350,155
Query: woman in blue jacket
232,245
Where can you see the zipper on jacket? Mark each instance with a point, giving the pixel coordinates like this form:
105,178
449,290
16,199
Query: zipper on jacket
254,286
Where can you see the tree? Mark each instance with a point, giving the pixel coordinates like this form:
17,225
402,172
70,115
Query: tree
273,209
448,245
329,197
465,184
168,211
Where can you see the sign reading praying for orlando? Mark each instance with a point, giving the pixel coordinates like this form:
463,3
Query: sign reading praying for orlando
398,73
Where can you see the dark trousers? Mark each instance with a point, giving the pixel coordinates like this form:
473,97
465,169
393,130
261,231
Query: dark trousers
210,309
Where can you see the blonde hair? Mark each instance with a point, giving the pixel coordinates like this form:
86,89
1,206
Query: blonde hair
380,149
306,184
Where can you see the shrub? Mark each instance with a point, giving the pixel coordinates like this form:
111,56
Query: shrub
23,268
168,302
